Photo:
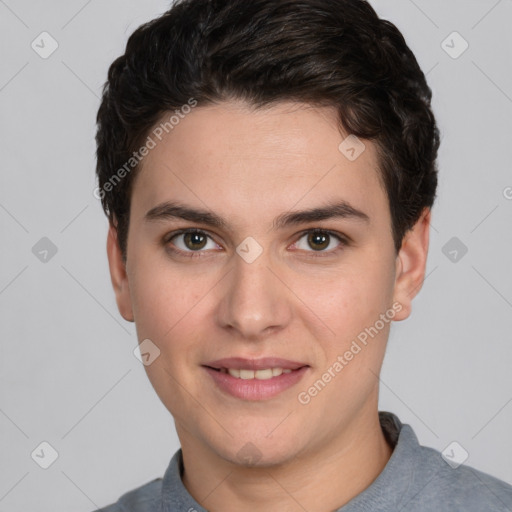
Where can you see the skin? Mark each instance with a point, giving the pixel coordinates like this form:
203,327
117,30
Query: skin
249,166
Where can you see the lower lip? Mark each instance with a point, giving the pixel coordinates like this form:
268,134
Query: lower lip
256,389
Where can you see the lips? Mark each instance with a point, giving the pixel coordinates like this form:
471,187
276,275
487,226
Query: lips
240,363
255,379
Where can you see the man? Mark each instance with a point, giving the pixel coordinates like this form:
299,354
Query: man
268,169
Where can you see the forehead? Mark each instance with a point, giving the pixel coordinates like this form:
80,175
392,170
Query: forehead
230,156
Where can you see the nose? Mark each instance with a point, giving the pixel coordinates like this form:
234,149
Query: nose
255,302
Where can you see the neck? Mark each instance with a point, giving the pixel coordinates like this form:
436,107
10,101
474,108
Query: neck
338,470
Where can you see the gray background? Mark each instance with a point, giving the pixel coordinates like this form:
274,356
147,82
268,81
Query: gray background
68,373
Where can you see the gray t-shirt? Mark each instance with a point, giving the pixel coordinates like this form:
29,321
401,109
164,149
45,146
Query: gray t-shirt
416,478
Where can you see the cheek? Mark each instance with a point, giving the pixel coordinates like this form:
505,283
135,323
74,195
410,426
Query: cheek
162,296
167,309
351,303
351,297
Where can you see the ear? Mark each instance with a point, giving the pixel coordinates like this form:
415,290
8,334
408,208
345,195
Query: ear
118,275
411,263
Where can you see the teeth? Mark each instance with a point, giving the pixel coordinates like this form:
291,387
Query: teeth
246,374
263,374
258,374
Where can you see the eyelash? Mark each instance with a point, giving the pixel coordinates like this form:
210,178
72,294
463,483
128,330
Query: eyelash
344,242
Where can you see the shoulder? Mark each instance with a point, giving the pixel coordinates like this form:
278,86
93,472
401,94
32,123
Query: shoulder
142,499
419,478
463,487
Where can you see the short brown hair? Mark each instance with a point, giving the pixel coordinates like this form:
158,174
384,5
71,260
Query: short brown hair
335,53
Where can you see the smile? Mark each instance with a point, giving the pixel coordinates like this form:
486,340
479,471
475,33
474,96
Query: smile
266,374
255,379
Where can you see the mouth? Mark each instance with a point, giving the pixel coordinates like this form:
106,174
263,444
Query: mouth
255,379
244,374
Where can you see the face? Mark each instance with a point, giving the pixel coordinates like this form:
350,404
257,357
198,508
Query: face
261,264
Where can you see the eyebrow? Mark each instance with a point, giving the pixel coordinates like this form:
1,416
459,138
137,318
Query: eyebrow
173,210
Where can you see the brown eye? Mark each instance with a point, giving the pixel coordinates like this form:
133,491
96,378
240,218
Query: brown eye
194,241
190,241
320,241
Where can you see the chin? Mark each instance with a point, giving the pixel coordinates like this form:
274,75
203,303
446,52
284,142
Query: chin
251,451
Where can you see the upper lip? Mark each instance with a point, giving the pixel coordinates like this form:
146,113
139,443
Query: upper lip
240,363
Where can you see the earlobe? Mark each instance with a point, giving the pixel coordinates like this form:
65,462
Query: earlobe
411,264
118,275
